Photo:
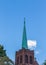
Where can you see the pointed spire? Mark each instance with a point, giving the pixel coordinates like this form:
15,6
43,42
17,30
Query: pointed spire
24,39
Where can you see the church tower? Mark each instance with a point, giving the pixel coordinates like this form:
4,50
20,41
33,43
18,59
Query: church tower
25,56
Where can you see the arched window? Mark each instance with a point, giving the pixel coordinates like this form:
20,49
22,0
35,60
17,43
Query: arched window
17,60
31,61
21,59
26,59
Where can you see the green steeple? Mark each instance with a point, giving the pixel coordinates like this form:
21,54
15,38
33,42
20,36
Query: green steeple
24,39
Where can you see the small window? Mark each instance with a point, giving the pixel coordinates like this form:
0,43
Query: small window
26,59
21,59
31,61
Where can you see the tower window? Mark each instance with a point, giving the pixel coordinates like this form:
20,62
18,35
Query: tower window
17,60
21,59
31,61
26,59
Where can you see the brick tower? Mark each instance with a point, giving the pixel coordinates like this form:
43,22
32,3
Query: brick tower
25,56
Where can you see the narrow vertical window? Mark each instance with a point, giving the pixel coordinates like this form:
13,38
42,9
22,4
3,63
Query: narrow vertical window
21,59
17,60
31,61
26,59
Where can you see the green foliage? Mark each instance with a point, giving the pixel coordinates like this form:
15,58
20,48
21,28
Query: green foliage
4,60
44,62
2,51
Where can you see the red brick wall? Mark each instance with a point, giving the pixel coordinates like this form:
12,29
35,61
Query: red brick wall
24,52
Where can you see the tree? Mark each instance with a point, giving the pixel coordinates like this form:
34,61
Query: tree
2,51
44,62
4,59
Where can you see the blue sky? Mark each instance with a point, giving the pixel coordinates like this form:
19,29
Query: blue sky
12,13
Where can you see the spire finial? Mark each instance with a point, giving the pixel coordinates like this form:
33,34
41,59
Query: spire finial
24,39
